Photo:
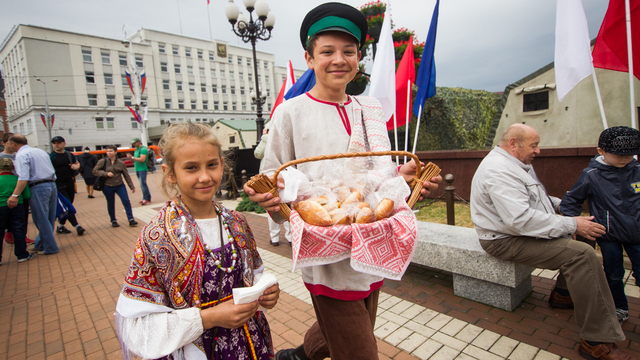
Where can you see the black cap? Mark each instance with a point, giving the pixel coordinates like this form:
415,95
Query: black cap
57,138
620,140
86,148
334,16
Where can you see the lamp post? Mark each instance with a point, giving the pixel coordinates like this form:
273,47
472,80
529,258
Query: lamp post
137,89
46,104
250,30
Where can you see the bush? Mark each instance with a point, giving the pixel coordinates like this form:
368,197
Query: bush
248,205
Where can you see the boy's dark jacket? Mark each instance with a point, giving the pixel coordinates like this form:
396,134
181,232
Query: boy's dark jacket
614,199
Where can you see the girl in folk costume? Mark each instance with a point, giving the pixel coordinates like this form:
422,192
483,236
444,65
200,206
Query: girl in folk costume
176,302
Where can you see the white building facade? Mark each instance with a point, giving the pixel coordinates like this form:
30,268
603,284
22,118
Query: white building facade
188,79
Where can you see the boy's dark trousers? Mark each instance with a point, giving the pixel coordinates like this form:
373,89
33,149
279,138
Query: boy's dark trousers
14,221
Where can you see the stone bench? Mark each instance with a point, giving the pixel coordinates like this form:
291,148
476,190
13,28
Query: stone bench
476,275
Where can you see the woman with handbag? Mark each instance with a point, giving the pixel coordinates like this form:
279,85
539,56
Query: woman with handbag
110,171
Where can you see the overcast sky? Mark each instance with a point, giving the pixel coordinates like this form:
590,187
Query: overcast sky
481,44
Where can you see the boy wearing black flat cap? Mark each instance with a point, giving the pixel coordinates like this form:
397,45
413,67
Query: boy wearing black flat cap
611,183
328,121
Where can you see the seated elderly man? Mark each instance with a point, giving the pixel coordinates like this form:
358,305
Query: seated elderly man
516,221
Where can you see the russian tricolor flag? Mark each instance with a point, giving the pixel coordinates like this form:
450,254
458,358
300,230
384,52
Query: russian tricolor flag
143,81
288,84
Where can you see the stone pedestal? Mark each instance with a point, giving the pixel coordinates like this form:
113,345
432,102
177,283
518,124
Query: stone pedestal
476,275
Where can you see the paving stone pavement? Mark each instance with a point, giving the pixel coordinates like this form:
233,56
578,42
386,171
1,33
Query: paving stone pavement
61,306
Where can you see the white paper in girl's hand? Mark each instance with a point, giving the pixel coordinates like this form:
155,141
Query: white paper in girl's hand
250,294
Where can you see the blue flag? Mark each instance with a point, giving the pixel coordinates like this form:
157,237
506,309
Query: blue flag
302,85
426,79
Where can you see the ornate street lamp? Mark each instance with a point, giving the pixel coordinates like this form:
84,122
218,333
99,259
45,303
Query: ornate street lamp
250,31
46,103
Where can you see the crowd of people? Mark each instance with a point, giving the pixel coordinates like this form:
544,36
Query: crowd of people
178,298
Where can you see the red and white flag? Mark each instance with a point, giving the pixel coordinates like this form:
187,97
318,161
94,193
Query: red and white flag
406,73
383,78
286,85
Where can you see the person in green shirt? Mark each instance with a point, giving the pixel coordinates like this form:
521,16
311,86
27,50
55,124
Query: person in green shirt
140,165
13,219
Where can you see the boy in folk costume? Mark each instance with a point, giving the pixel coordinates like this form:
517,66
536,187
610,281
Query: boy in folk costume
328,121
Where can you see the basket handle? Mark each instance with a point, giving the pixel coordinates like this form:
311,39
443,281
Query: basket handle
274,181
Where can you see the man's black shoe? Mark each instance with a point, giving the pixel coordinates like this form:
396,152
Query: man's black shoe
115,224
133,223
292,354
80,230
62,230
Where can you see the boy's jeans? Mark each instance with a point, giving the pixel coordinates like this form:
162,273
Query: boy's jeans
612,260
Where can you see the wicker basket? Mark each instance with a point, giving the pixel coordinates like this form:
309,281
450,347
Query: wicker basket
263,184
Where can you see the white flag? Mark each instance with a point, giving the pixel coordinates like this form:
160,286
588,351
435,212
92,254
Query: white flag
383,74
573,49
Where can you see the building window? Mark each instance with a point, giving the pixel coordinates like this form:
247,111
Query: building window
230,59
189,70
161,48
248,62
213,73
125,82
108,79
233,90
211,58
536,101
175,50
224,106
201,71
187,52
203,88
176,68
127,101
100,123
216,105
192,86
139,62
239,60
179,85
244,106
232,139
88,75
266,65
111,100
106,59
21,126
224,89
134,123
193,104
222,74
122,59
205,105
233,106
111,123
268,92
200,54
180,104
266,79
214,88
269,107
250,76
163,67
241,76
165,84
167,103
241,90
231,75
93,99
86,55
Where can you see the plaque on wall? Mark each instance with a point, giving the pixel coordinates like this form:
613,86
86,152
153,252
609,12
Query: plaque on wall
222,50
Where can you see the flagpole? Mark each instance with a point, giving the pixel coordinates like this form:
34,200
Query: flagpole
179,19
415,140
395,133
406,128
209,17
632,97
600,104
